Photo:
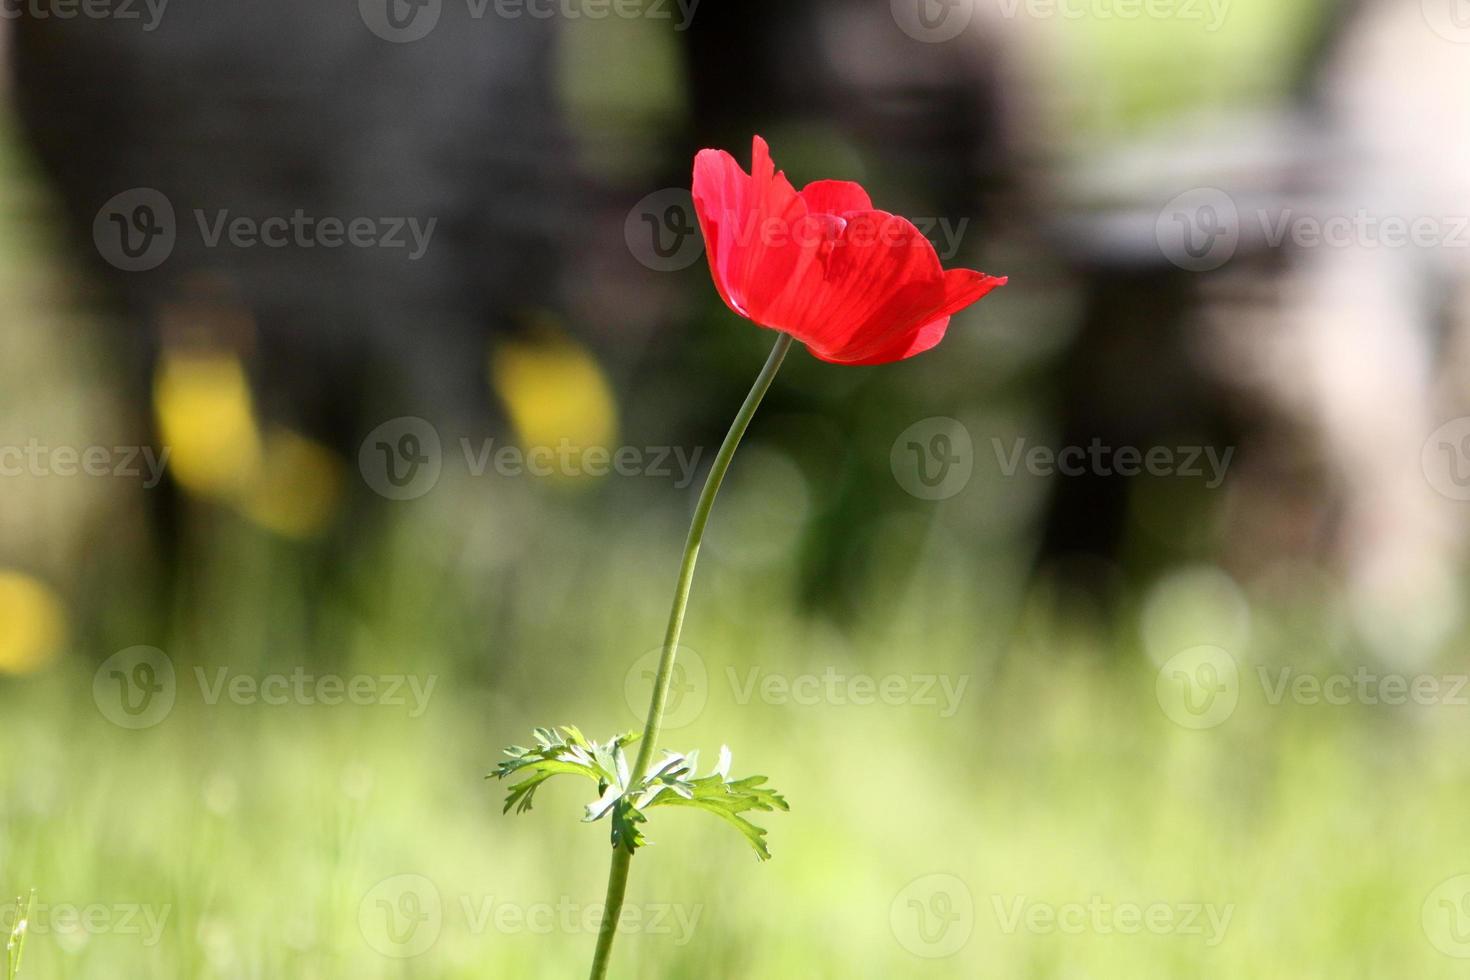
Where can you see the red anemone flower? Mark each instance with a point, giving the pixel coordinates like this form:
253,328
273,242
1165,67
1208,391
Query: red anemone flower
856,285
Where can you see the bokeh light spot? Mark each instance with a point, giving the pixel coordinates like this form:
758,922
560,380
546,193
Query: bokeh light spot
32,624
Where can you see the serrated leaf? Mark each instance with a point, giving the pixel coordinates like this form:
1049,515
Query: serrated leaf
728,800
670,785
563,752
668,782
625,832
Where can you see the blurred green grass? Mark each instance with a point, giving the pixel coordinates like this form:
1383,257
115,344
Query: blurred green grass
259,834
258,837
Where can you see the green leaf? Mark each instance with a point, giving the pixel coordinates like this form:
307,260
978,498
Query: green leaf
726,799
625,832
669,782
563,752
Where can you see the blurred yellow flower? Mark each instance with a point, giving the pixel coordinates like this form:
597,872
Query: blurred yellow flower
281,480
207,420
557,395
297,488
32,624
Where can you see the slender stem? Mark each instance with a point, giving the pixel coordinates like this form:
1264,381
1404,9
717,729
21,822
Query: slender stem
691,549
617,878
612,910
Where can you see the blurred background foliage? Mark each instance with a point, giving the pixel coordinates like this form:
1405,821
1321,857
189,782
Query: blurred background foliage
533,320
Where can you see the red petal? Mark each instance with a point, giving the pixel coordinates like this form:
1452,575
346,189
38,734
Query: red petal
736,212
921,340
922,326
878,272
719,195
837,197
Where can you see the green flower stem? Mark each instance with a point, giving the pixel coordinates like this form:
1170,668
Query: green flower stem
617,878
